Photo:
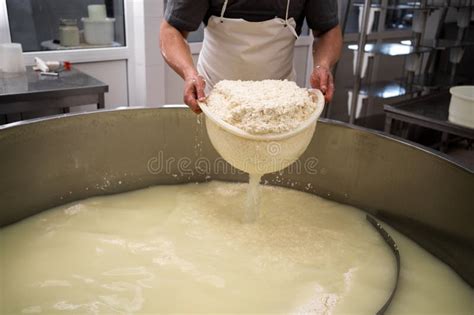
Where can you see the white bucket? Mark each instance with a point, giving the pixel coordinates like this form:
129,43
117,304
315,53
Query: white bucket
12,60
97,11
461,107
99,32
261,154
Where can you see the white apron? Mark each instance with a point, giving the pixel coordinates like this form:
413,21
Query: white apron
235,49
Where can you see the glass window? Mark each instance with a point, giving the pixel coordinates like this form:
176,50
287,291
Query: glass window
72,24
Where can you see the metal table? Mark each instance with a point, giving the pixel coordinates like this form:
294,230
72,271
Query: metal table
430,111
26,92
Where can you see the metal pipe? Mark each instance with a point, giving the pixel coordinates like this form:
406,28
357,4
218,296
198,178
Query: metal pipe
360,58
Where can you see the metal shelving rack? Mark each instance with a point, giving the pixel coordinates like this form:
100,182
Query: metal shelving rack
414,50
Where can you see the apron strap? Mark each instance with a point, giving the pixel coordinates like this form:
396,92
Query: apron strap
292,29
224,7
287,10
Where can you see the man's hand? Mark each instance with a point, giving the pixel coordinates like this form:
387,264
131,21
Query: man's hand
194,91
326,52
322,79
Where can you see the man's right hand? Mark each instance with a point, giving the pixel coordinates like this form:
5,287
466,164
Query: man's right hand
194,91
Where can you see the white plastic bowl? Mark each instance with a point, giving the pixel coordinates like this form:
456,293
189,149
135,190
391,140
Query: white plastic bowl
99,32
261,154
461,107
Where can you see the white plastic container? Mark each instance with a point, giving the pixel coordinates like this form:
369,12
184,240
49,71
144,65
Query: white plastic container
261,154
99,32
97,11
461,107
12,60
68,33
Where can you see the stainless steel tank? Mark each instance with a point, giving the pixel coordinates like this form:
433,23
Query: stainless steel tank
49,162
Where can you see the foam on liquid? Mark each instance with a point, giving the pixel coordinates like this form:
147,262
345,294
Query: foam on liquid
183,249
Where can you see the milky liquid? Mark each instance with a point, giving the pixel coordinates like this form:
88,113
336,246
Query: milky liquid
184,249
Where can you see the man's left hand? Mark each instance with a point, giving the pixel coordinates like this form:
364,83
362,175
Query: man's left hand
322,79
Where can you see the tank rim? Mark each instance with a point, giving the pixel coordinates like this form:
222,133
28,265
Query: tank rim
377,133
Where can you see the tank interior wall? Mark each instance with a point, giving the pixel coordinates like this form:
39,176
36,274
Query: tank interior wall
54,161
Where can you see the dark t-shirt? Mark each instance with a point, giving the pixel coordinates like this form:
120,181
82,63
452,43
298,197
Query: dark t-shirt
187,15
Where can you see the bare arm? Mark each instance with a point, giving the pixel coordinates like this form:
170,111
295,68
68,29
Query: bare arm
326,52
176,52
